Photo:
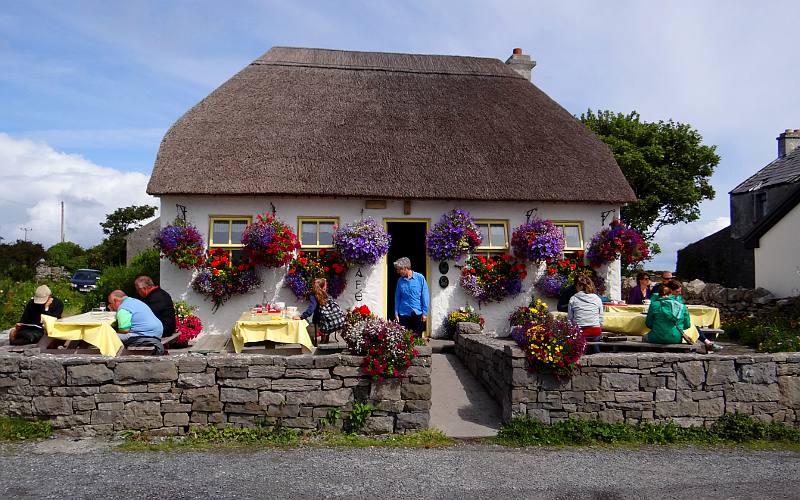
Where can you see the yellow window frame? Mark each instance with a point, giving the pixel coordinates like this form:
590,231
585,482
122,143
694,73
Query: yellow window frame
229,246
571,223
490,248
316,245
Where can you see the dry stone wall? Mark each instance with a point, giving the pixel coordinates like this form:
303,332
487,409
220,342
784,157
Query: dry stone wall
95,395
688,389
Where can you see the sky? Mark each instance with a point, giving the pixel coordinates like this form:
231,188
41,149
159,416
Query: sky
88,88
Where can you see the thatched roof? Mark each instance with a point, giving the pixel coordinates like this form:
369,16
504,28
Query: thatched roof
366,124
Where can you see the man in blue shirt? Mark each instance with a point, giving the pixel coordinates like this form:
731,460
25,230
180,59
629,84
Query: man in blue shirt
136,323
411,297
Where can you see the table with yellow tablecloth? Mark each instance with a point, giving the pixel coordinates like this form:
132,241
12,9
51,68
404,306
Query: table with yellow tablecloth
630,320
702,316
261,327
94,328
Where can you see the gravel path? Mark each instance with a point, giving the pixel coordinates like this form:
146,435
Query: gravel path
63,469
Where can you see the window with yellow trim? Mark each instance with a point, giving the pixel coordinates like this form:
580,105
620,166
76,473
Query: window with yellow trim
316,233
226,232
573,235
494,236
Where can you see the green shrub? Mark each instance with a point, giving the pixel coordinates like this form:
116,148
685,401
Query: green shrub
121,278
17,429
731,428
773,332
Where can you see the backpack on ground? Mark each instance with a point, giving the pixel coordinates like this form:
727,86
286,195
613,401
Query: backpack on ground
331,317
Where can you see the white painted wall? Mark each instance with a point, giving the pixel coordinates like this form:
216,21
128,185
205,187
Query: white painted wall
777,259
199,208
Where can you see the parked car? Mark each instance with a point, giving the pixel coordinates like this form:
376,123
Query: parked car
84,280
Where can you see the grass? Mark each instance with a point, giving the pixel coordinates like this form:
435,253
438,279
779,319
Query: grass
264,437
736,429
19,429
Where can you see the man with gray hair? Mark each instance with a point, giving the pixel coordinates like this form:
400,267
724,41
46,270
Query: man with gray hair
136,323
411,297
159,302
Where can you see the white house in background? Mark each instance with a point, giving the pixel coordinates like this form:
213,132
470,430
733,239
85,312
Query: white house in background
776,254
326,137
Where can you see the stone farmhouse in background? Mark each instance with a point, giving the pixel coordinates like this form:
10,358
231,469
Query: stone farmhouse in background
760,247
325,137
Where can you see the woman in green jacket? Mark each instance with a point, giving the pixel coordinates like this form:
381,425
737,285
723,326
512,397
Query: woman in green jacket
667,316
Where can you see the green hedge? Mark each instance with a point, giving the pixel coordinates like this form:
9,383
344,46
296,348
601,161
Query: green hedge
121,278
772,332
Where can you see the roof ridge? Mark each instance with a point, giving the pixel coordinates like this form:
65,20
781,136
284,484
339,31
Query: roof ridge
378,68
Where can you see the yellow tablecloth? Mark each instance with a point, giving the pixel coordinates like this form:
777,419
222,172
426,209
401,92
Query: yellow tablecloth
701,315
632,323
262,327
89,327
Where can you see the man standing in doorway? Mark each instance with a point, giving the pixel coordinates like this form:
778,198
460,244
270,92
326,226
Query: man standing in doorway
411,297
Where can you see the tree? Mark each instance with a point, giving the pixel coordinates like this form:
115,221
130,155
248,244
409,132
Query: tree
68,255
18,261
665,163
123,221
119,224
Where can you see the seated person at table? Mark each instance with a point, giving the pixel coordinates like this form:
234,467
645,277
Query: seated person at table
667,316
586,309
564,296
159,302
666,276
641,291
29,329
676,294
136,323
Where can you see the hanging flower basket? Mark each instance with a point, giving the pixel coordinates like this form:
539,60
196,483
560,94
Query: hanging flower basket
618,241
454,236
492,279
363,242
538,240
304,269
269,241
219,279
182,244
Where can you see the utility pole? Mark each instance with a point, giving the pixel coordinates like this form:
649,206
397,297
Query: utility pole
62,222
26,229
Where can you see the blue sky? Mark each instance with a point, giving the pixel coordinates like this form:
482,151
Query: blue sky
87,89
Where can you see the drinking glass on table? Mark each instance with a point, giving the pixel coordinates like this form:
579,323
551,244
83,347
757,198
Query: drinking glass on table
102,307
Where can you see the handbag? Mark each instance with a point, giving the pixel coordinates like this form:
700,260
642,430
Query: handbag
331,317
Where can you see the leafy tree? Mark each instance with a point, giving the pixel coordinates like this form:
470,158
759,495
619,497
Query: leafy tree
119,224
121,277
123,221
18,260
665,163
67,254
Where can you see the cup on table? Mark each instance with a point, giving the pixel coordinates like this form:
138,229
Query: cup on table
97,312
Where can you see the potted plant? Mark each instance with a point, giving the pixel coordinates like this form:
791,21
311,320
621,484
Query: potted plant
454,236
362,242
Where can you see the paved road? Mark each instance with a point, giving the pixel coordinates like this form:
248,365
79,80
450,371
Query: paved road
70,470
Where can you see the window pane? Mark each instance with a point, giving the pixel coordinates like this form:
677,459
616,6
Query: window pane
308,233
326,233
236,256
484,230
221,232
572,236
237,228
498,235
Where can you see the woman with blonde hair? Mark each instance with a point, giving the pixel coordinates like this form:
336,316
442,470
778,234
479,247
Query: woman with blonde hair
326,315
586,309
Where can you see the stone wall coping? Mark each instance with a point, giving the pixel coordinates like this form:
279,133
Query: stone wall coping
510,348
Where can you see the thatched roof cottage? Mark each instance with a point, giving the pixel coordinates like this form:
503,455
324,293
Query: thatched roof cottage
327,136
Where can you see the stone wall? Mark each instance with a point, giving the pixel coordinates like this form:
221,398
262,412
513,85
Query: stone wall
95,395
688,389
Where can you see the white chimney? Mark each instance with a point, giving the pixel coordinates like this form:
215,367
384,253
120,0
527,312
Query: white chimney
521,63
788,141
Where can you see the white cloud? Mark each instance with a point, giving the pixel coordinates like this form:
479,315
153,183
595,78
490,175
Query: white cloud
36,178
673,238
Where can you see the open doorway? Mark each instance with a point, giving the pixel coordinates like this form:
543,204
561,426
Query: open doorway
408,240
